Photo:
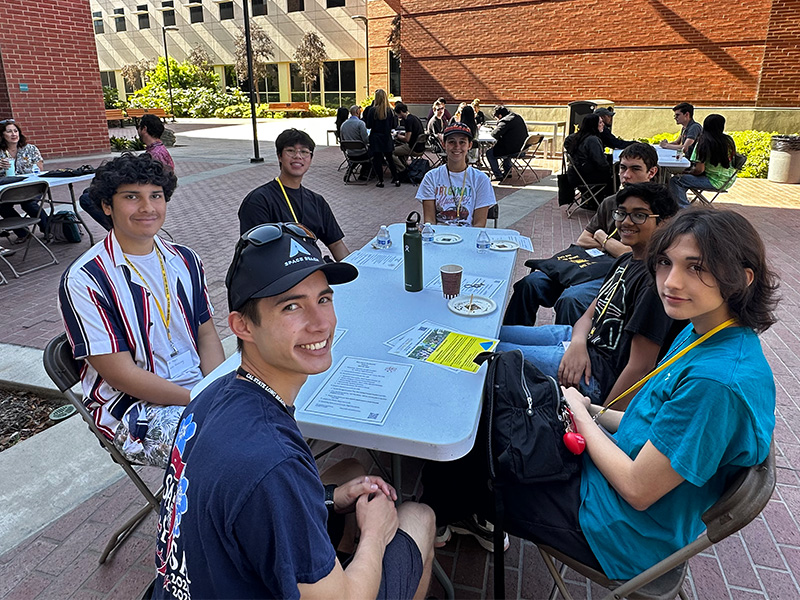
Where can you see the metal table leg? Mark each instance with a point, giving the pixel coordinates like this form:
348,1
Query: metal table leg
78,213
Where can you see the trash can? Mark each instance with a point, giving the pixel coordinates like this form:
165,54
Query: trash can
578,110
784,159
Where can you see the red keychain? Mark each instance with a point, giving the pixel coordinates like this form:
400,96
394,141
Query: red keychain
573,440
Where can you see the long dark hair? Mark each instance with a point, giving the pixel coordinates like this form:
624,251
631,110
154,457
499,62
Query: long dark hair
468,119
728,245
714,146
21,143
342,114
589,126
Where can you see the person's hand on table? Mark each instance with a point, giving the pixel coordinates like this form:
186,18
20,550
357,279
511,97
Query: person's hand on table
574,364
346,495
663,143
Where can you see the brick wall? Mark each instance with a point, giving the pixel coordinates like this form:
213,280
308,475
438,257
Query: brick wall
636,52
50,47
780,73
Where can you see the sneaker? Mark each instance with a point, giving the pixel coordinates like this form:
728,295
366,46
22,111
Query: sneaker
7,251
482,531
443,535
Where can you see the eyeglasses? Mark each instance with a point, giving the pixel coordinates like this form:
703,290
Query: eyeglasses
636,217
264,234
303,153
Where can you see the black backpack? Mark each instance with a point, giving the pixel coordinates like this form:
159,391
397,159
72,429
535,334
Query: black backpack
524,415
64,227
416,170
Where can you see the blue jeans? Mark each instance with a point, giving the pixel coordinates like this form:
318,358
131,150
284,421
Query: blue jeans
543,347
537,289
680,184
495,165
31,208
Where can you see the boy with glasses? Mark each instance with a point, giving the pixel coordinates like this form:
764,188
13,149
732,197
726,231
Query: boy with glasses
246,513
619,338
136,309
284,199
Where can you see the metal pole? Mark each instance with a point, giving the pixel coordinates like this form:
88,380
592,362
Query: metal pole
169,79
249,51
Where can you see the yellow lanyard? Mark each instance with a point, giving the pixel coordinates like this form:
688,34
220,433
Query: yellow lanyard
664,365
463,190
165,319
610,298
285,195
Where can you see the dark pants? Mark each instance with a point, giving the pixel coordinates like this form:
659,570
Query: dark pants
91,209
377,165
31,208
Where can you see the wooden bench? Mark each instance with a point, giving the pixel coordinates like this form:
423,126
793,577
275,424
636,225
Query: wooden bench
115,114
288,106
138,113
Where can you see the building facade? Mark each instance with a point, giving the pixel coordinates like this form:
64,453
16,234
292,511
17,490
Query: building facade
48,77
127,31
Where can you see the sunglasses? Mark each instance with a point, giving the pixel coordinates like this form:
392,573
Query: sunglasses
264,234
6,121
636,217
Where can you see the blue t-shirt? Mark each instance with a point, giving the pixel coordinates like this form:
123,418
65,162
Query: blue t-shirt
243,514
711,413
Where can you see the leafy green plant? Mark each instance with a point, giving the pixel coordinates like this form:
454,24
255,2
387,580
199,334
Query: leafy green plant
135,144
367,101
118,144
755,145
321,111
111,98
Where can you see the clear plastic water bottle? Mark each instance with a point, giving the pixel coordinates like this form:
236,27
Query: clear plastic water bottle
36,170
483,242
427,233
383,240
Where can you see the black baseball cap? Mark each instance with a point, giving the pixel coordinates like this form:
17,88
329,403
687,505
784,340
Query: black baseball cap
604,112
457,127
271,259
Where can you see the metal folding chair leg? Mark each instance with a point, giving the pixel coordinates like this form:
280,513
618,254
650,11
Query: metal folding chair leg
121,534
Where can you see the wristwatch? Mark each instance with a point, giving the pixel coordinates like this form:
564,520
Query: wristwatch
329,496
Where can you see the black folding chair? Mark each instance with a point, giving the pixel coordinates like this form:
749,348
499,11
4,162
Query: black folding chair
64,370
523,160
739,161
16,194
587,195
360,159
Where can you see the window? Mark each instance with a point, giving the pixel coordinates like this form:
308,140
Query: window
195,12
335,3
230,77
168,12
299,93
97,19
144,18
259,7
268,90
295,5
108,79
394,75
119,19
340,83
225,11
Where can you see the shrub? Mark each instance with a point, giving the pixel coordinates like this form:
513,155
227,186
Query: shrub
367,101
121,144
197,102
111,98
316,110
234,111
755,145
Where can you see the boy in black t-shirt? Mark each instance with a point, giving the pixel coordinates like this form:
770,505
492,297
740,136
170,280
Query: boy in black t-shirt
619,338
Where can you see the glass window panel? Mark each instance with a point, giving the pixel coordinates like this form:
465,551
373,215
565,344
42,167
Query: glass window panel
394,75
226,11
144,21
332,100
331,72
295,5
335,3
347,70
259,7
196,14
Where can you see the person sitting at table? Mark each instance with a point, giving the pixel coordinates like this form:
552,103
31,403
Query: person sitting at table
443,104
354,130
455,193
620,336
136,309
380,120
342,114
480,118
14,147
245,512
608,138
639,495
588,156
690,129
712,162
436,125
510,133
638,163
405,142
150,130
284,199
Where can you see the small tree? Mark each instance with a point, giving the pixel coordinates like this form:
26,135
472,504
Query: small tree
263,50
137,74
310,55
205,72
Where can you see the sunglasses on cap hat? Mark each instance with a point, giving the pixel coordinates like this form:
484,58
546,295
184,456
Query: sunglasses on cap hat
7,121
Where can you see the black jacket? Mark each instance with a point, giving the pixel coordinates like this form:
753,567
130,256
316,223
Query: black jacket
510,133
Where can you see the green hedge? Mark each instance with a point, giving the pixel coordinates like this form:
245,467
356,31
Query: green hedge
755,145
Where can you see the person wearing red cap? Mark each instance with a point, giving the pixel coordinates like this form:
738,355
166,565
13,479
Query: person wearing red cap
246,514
455,193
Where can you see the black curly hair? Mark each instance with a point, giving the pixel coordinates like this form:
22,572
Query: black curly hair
130,168
655,194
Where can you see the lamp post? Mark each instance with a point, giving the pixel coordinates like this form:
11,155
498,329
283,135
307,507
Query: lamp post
250,83
164,29
364,20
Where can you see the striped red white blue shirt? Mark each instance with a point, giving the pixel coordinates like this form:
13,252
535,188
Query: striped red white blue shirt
107,308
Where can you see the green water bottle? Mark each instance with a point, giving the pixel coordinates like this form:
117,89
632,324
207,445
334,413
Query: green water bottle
412,253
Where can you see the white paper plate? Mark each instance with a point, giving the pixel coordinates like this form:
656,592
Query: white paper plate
478,307
504,246
446,238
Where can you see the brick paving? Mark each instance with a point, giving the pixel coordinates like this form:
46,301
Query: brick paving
762,561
